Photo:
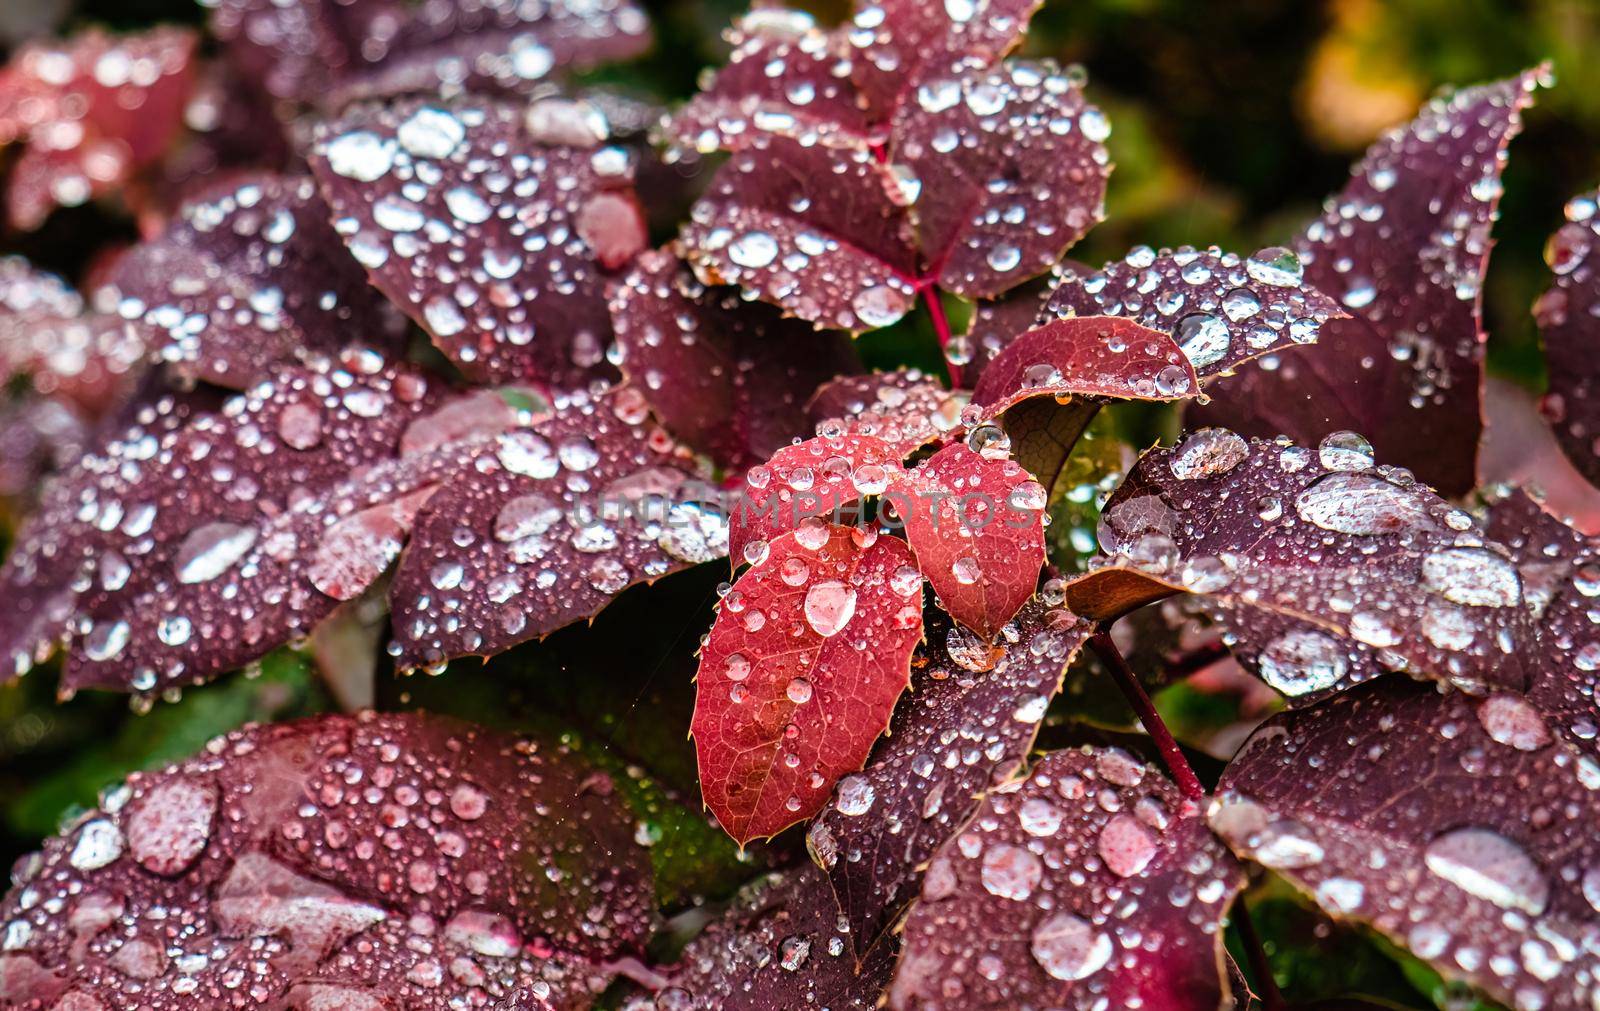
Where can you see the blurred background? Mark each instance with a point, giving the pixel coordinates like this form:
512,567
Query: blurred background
1231,122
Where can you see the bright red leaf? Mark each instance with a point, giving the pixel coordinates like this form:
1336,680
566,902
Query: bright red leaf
818,481
809,652
976,525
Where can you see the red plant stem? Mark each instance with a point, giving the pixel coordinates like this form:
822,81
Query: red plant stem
941,327
1270,996
1172,755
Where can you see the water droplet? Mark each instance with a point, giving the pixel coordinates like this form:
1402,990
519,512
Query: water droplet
829,606
1486,864
1068,947
1010,872
1276,266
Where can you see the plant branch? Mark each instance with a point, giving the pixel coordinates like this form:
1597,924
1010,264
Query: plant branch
941,327
1270,996
1172,755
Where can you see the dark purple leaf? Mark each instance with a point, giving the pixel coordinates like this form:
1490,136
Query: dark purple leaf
779,945
1309,555
37,437
449,46
814,482
800,673
843,205
328,52
366,862
1566,315
1461,828
976,524
183,549
782,79
1222,310
1010,166
900,43
846,258
251,275
729,378
87,121
1091,884
546,526
1561,578
906,409
971,717
1404,247
494,226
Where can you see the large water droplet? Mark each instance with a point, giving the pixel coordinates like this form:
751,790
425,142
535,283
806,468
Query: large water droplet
829,606
1486,864
1068,947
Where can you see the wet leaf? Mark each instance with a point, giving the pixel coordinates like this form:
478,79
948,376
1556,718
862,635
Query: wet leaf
1086,357
1222,309
1567,323
342,861
59,345
183,548
251,276
849,194
38,437
812,483
779,945
327,52
1404,248
1321,563
495,226
996,323
548,525
971,717
729,378
1031,903
808,653
90,111
1458,827
976,525
906,408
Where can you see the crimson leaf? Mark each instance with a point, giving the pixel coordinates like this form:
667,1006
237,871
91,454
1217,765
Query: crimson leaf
976,525
800,673
968,724
494,226
250,276
1033,902
1307,555
352,862
1459,827
809,483
1405,247
91,112
729,378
